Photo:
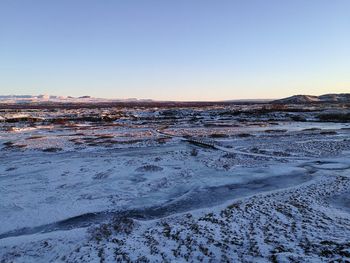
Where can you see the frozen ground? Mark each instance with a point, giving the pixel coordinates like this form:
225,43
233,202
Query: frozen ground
173,185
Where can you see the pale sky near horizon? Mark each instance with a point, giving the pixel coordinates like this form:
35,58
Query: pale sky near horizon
175,49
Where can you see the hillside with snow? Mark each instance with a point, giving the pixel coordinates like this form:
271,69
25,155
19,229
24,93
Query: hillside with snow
304,99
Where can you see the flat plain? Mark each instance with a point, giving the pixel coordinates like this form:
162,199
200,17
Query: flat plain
175,183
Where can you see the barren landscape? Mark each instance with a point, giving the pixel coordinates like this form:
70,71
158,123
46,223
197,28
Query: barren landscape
175,182
174,131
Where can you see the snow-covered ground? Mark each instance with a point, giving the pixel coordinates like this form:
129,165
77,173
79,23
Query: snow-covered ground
134,185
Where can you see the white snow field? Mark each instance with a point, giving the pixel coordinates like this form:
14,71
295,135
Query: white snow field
233,183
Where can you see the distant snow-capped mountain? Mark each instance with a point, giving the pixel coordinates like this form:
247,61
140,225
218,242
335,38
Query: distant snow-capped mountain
51,98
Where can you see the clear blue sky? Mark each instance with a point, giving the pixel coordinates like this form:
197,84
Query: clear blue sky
175,49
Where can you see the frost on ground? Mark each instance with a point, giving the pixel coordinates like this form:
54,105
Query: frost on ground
215,184
287,226
293,225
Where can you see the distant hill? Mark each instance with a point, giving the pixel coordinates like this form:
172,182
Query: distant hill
45,99
305,99
28,99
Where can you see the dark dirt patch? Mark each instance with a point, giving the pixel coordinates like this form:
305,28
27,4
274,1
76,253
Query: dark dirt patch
52,149
149,168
